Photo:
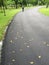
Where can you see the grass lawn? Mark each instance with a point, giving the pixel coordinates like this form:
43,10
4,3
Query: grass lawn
44,11
5,20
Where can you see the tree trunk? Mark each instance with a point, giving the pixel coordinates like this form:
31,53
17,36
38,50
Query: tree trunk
47,5
1,10
4,11
16,6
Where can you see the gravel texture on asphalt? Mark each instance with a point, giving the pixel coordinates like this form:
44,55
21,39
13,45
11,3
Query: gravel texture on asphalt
27,39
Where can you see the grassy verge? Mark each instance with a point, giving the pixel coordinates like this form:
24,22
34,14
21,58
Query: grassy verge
44,11
4,20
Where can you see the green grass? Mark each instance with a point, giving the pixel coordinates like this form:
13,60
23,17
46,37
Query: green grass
44,11
5,20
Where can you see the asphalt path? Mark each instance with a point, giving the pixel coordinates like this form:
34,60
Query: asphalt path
27,39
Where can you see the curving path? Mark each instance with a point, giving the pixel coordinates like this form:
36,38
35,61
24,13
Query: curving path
27,39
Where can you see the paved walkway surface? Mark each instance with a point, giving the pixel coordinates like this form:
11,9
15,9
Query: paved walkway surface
27,40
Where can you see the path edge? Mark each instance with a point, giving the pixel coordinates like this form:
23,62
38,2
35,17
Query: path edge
5,33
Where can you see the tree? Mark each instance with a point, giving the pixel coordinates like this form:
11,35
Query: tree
11,3
3,4
20,2
33,2
47,3
24,2
16,3
43,2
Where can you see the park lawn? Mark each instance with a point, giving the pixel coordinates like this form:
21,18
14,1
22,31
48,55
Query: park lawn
44,11
5,20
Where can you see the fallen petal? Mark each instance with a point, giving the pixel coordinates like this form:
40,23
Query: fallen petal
13,60
31,62
11,41
27,46
20,49
39,57
13,51
47,44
